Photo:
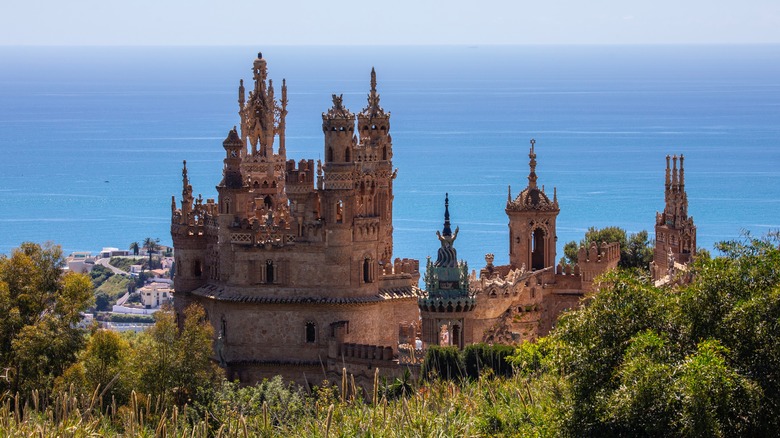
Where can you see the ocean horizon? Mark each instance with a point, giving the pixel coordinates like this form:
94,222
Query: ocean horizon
93,138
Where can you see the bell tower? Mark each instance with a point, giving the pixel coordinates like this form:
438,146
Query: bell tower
532,217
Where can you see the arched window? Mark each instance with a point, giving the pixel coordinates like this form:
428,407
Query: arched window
537,251
330,154
311,332
269,271
268,202
347,157
367,270
384,152
339,212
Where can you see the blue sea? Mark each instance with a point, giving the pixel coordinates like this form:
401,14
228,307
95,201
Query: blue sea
92,139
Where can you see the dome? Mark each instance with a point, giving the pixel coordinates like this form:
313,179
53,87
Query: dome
532,199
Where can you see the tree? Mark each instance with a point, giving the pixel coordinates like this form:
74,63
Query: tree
176,365
151,246
635,249
39,337
135,247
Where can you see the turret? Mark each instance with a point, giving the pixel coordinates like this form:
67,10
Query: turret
231,173
374,128
338,125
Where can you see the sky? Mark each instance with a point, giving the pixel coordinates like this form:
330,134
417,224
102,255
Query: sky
389,22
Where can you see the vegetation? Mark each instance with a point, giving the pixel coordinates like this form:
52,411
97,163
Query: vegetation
124,263
635,250
695,360
151,246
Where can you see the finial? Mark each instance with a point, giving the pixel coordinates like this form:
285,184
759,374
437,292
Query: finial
509,193
532,165
682,171
555,195
668,174
447,231
373,79
259,55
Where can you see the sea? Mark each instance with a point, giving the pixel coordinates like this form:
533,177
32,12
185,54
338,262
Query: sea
92,139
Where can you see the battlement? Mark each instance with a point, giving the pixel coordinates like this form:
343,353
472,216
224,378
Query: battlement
591,262
303,174
406,266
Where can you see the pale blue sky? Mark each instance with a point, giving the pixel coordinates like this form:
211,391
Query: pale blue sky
346,22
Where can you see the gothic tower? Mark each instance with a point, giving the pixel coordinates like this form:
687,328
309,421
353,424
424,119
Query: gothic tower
532,218
374,152
675,233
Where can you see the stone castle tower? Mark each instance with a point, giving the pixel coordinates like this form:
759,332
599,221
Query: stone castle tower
293,261
532,218
675,233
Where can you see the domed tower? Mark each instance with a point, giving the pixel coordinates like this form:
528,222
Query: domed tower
532,218
447,304
675,233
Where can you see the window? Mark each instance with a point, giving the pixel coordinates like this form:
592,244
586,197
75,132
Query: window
330,154
339,212
311,332
346,155
269,271
196,268
367,270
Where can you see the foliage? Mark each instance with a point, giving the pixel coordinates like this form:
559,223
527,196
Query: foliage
124,263
444,363
135,247
99,274
636,250
478,358
176,364
698,361
151,246
129,317
40,307
115,287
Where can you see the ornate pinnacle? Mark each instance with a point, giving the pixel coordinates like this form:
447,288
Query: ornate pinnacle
373,80
447,231
532,164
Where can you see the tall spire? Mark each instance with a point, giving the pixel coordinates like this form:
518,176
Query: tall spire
373,109
532,164
682,172
447,231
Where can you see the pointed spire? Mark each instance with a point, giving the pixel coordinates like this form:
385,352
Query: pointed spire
447,231
532,165
674,172
373,108
682,172
509,193
668,174
185,179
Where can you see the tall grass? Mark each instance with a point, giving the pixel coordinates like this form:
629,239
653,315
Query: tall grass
484,407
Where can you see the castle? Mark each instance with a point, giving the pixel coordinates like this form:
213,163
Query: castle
293,261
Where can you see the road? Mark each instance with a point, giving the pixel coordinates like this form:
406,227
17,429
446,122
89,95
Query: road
104,262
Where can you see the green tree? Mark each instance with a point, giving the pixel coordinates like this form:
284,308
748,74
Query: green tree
636,250
152,246
135,247
39,337
102,365
174,364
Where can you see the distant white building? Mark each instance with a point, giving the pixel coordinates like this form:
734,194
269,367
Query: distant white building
109,252
81,262
155,294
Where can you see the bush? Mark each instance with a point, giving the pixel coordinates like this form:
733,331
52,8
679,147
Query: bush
443,362
479,357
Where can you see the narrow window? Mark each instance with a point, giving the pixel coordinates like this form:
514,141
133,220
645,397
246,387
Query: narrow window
339,212
269,271
346,155
196,269
367,271
311,333
330,154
